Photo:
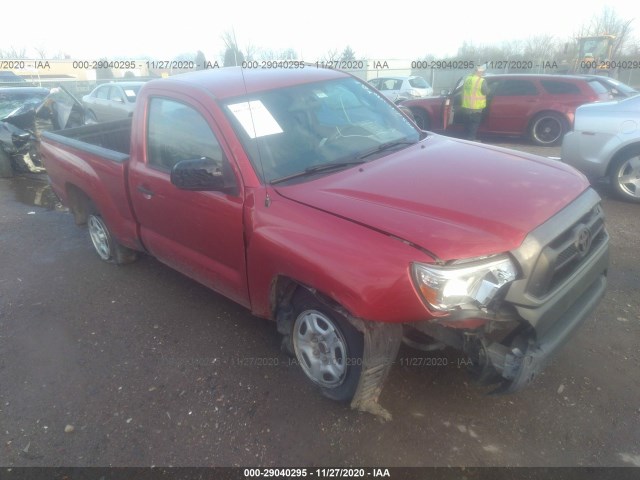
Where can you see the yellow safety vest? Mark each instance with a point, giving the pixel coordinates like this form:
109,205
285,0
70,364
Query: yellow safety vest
472,96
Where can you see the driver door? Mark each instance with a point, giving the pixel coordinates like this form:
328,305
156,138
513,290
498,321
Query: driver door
199,233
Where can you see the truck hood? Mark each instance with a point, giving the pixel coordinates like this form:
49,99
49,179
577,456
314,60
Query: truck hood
453,198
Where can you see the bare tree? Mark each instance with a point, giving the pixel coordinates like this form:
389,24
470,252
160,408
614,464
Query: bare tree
607,22
184,57
14,53
252,52
541,47
331,56
233,56
41,51
269,54
289,54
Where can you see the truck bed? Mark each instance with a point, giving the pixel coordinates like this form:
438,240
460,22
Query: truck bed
111,140
92,161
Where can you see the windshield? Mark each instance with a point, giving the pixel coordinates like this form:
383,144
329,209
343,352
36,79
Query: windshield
302,128
13,103
418,82
624,88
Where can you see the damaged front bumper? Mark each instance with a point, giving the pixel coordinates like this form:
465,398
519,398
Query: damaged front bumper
564,264
517,367
563,276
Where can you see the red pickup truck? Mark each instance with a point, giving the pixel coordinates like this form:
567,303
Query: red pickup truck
313,201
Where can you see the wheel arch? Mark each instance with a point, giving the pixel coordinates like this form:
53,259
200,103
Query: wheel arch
79,202
549,111
417,110
566,125
284,289
621,153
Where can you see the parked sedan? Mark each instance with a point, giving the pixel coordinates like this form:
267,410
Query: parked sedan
605,143
398,89
112,101
538,106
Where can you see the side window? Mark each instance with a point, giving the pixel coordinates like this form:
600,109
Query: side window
512,88
115,94
560,88
103,92
177,132
386,84
600,88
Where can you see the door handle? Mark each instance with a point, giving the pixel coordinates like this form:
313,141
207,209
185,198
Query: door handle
146,193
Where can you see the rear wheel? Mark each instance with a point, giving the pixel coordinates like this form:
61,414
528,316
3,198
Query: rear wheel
547,129
625,177
104,244
327,347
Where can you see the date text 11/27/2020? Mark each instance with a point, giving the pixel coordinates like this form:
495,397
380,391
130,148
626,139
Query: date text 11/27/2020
420,362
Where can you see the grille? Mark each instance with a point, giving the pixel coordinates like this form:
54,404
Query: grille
567,252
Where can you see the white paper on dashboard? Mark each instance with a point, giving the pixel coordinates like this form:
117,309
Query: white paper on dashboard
254,117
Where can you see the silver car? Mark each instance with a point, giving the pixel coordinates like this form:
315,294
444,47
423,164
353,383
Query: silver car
398,89
616,88
112,101
605,143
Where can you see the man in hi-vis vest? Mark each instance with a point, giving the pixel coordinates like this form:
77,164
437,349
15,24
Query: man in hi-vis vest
474,101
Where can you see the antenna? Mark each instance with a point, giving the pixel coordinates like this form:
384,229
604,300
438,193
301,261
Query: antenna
267,200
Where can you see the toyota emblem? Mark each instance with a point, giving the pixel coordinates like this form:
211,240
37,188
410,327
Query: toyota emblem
583,241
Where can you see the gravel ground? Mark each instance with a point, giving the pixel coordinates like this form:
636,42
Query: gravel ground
136,366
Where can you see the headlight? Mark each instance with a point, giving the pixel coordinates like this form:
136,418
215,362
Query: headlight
455,286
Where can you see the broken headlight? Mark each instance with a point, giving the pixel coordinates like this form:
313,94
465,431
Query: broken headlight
468,285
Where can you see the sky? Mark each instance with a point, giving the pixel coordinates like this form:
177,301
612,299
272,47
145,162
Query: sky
403,29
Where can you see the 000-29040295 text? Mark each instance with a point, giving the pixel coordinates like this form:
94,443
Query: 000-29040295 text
316,472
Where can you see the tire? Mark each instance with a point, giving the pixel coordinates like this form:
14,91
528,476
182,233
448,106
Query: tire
104,244
547,129
625,177
327,347
421,119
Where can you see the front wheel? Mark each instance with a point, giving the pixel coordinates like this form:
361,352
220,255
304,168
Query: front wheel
327,347
625,177
547,129
104,244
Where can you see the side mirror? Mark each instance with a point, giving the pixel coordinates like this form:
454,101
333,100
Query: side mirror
444,93
201,174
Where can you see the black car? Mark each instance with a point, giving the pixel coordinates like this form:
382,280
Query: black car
24,111
10,78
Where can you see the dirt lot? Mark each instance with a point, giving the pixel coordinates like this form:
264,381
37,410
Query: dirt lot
120,366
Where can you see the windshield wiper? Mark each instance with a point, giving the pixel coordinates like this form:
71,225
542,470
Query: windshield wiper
385,146
322,167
